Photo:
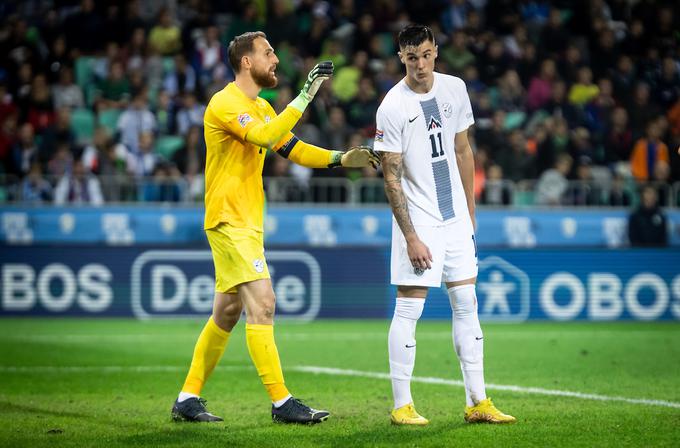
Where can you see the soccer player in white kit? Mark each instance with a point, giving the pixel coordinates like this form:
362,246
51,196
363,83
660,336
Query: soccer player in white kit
421,135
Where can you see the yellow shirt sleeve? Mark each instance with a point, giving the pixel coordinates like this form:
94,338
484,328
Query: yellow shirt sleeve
305,154
252,130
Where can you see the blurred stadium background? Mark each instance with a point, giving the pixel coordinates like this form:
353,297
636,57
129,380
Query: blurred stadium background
577,108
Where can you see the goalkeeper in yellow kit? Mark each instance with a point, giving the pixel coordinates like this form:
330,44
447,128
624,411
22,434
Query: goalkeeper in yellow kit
239,128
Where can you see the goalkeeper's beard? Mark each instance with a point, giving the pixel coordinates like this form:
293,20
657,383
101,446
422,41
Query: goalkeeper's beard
264,78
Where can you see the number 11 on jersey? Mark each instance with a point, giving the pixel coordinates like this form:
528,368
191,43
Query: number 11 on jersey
433,141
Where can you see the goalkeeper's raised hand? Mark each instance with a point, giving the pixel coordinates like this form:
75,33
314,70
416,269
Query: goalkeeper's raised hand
321,72
357,157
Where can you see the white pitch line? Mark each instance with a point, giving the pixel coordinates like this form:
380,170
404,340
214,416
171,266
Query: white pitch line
317,370
510,388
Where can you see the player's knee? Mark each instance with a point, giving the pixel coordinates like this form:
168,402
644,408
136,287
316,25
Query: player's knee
409,308
228,315
463,300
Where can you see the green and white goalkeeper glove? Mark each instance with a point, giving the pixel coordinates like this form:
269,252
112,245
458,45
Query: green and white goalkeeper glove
321,72
357,157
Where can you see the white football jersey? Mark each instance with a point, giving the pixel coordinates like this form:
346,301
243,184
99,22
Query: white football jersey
423,127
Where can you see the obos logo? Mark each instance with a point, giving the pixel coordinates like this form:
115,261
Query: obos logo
503,291
181,283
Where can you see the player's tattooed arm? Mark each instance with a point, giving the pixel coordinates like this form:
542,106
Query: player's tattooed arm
393,170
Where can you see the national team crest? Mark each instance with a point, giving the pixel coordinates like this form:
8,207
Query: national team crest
244,119
379,135
447,109
258,264
433,124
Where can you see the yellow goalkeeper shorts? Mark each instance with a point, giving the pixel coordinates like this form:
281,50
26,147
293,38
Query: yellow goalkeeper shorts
238,255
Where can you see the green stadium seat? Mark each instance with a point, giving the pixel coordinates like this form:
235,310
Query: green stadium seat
109,119
168,64
523,197
84,74
82,125
167,145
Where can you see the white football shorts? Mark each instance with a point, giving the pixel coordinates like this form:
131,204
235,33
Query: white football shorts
454,253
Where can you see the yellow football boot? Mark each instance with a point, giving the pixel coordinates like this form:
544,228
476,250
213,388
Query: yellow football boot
407,415
486,412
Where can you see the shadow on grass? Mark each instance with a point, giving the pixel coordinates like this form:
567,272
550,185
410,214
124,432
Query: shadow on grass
7,407
264,433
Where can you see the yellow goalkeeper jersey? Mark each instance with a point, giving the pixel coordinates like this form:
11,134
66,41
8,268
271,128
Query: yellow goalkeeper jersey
234,193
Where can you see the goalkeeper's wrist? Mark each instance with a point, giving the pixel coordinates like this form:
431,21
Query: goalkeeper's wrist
301,102
335,159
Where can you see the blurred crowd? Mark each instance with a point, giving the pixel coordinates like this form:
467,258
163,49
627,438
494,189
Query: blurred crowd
575,102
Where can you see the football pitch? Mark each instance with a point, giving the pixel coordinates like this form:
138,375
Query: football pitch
86,382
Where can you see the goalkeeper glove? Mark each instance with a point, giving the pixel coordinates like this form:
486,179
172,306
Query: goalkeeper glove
357,157
321,72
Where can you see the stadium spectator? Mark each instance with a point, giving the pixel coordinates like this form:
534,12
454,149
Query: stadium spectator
136,120
190,161
189,114
67,93
165,112
40,111
164,184
517,163
553,183
583,90
647,224
113,91
165,36
23,153
647,152
59,132
78,187
455,54
35,189
641,110
540,87
660,181
181,78
619,195
618,142
143,162
210,53
583,190
336,130
496,190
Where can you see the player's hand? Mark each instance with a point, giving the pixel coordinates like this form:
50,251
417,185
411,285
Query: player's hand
360,157
419,253
321,72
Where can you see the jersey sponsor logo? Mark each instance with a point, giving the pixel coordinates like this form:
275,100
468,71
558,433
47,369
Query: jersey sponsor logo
244,119
447,109
379,135
258,264
434,124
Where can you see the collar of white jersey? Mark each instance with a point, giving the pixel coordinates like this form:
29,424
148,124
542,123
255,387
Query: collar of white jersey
427,95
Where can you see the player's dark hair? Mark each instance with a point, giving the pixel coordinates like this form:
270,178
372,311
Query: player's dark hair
414,35
241,46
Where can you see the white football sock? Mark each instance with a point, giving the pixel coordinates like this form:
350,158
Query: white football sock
468,341
281,402
185,396
402,347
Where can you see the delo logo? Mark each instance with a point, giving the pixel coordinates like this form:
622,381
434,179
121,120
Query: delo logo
503,291
180,283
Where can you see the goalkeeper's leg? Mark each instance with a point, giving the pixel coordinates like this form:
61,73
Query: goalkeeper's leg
259,301
207,353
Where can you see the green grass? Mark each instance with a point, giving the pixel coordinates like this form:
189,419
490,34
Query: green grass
44,404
